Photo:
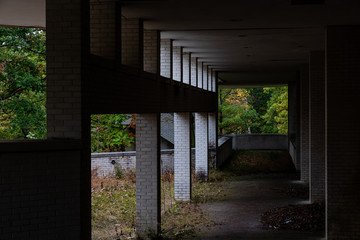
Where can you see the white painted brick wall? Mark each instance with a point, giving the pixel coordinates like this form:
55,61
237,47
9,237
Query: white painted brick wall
210,79
200,74
151,61
201,145
193,71
214,82
212,130
186,68
177,63
147,173
182,156
130,37
165,55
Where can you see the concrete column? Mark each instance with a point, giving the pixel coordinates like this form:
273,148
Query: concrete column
132,42
209,77
186,68
177,68
212,130
104,27
147,173
214,82
193,71
165,58
152,51
201,146
182,156
200,74
304,123
317,126
342,151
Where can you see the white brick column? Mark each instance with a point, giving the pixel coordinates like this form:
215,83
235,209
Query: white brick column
205,77
212,130
193,71
177,63
147,173
200,74
186,68
131,42
151,51
201,145
182,156
165,58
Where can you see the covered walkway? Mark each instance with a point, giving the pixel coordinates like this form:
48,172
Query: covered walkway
250,196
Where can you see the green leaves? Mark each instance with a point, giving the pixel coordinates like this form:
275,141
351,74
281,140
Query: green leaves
22,83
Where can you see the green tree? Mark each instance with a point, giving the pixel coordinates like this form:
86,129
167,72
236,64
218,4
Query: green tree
110,134
22,83
276,116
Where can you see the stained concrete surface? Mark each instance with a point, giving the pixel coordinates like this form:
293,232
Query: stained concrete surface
249,197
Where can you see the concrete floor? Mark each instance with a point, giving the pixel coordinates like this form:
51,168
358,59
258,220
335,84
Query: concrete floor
249,197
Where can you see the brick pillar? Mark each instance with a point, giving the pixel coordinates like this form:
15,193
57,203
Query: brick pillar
182,156
66,51
147,173
105,21
317,126
132,42
342,132
193,71
201,145
292,122
205,77
304,123
177,63
200,74
186,68
152,51
165,58
212,130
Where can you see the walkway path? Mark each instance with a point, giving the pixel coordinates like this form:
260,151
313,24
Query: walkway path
249,197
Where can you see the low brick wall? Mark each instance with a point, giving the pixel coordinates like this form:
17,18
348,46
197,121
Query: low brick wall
104,163
224,151
260,141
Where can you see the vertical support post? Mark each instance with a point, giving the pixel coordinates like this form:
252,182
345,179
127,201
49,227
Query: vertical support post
177,67
151,51
304,124
182,156
132,42
165,58
147,173
317,126
201,146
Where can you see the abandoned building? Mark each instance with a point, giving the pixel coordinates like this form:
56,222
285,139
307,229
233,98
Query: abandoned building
172,56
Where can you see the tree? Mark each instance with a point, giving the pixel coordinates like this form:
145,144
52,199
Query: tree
276,116
22,83
110,134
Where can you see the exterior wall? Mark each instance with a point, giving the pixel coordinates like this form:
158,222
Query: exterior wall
165,58
342,132
193,71
177,68
186,68
259,141
103,23
317,126
151,51
132,42
40,190
147,173
304,124
182,163
224,151
201,145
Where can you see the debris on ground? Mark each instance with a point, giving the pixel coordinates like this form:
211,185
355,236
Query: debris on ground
295,192
310,217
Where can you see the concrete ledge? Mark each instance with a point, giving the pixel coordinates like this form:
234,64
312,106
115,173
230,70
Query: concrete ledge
224,151
259,141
